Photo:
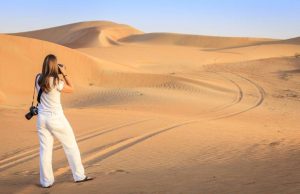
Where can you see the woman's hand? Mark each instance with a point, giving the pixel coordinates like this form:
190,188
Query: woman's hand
63,70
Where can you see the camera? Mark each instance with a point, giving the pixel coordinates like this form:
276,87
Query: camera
32,112
60,66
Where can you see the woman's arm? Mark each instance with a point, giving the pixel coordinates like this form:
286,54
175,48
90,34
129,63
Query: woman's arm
68,86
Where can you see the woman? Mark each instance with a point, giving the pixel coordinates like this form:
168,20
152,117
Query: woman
52,121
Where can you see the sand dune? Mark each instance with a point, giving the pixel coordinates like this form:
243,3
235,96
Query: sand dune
84,34
22,58
192,40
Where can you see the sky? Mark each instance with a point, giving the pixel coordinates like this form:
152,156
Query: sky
245,18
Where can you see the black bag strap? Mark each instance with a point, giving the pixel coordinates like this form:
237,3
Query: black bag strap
40,91
39,95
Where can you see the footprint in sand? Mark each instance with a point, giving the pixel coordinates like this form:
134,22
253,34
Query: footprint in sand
117,171
26,173
275,143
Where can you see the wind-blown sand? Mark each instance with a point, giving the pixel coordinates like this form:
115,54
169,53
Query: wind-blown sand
157,113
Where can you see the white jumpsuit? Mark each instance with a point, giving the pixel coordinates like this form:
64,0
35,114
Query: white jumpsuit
52,121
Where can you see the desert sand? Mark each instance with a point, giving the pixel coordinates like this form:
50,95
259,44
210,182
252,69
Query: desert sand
157,112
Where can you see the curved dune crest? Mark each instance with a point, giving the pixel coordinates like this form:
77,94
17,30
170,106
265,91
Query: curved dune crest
84,34
192,40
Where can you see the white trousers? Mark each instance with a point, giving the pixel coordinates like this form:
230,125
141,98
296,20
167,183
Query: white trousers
51,124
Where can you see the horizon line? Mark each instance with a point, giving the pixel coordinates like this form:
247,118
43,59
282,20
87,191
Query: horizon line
151,32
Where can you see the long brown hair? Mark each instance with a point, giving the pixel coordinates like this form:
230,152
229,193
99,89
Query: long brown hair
50,69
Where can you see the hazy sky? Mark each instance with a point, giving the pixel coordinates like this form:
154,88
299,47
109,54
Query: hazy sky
255,18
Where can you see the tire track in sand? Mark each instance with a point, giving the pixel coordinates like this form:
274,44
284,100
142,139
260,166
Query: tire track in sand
259,101
240,96
34,152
